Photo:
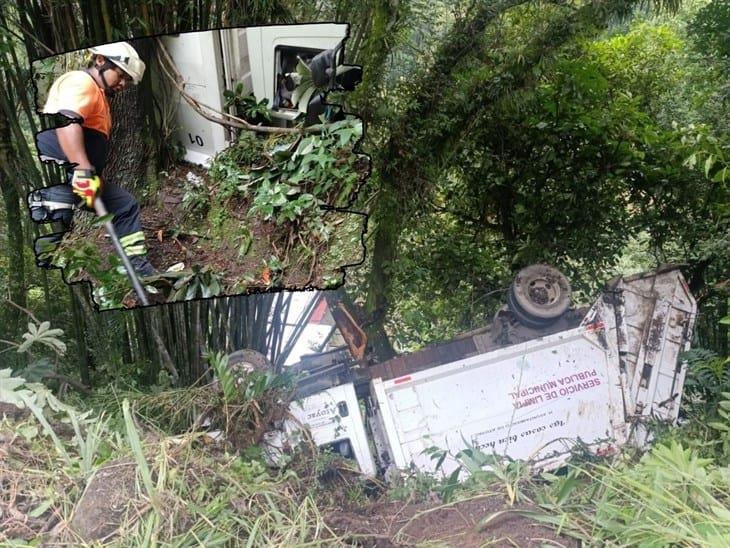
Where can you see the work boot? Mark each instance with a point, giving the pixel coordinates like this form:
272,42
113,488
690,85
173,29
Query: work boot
142,266
45,247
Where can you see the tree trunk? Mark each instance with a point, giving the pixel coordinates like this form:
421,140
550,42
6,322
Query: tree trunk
401,167
15,240
127,162
79,324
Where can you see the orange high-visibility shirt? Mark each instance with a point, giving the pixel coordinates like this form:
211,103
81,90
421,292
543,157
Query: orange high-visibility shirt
77,91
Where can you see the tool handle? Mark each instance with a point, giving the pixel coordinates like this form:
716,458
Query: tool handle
101,211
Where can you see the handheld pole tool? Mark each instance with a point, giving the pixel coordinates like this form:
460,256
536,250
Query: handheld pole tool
101,211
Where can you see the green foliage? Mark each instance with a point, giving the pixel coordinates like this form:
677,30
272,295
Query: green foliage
246,105
43,334
190,495
218,362
563,157
481,470
201,282
709,28
305,88
82,259
240,385
287,183
37,342
195,198
709,154
420,486
318,169
40,401
706,387
722,426
646,61
708,376
670,497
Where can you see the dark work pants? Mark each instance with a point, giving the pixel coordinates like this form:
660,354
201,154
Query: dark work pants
117,200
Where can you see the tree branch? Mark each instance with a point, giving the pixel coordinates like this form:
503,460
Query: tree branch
28,312
222,118
78,385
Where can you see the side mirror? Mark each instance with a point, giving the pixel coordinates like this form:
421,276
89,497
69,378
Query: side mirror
329,73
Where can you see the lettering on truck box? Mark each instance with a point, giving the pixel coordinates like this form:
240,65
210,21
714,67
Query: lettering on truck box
555,389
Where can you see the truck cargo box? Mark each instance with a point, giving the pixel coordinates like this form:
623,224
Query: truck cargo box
591,381
595,385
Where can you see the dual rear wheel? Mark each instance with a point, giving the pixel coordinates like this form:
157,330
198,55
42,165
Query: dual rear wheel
539,295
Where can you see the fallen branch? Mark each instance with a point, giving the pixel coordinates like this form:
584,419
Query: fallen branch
28,312
222,118
78,385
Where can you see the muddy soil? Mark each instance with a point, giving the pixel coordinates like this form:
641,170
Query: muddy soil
479,521
240,249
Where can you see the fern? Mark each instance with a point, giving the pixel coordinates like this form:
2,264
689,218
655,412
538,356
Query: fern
708,376
43,334
226,378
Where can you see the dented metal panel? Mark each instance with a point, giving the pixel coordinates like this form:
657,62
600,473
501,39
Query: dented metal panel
662,312
531,401
333,415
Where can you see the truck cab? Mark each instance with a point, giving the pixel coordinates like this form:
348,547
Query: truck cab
214,61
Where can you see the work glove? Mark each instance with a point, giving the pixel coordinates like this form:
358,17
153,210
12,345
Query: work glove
86,185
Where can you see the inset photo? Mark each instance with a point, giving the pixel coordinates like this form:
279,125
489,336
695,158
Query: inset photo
200,164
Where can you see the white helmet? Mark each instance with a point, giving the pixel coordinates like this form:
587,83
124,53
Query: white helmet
124,56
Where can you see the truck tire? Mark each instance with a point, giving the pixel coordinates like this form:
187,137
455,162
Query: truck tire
539,295
248,360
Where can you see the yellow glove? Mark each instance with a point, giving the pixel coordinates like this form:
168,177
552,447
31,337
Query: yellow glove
86,184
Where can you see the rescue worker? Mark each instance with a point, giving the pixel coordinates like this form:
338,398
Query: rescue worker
82,96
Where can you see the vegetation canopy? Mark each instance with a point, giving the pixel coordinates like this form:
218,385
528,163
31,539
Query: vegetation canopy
484,137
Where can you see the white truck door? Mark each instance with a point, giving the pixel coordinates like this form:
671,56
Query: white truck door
273,50
213,61
197,56
333,418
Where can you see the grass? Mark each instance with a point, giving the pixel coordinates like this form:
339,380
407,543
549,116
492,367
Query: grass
183,490
192,493
670,497
188,496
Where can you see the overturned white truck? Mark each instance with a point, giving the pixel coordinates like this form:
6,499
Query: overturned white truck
595,379
259,60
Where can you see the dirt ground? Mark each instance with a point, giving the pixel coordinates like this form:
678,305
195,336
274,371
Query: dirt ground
388,524
165,223
173,238
239,252
101,506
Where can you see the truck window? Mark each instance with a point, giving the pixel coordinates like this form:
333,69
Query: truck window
287,58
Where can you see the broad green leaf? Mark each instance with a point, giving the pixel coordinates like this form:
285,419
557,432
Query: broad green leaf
303,102
39,510
28,431
721,175
10,389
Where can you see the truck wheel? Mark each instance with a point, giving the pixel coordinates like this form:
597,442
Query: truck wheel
539,295
248,360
